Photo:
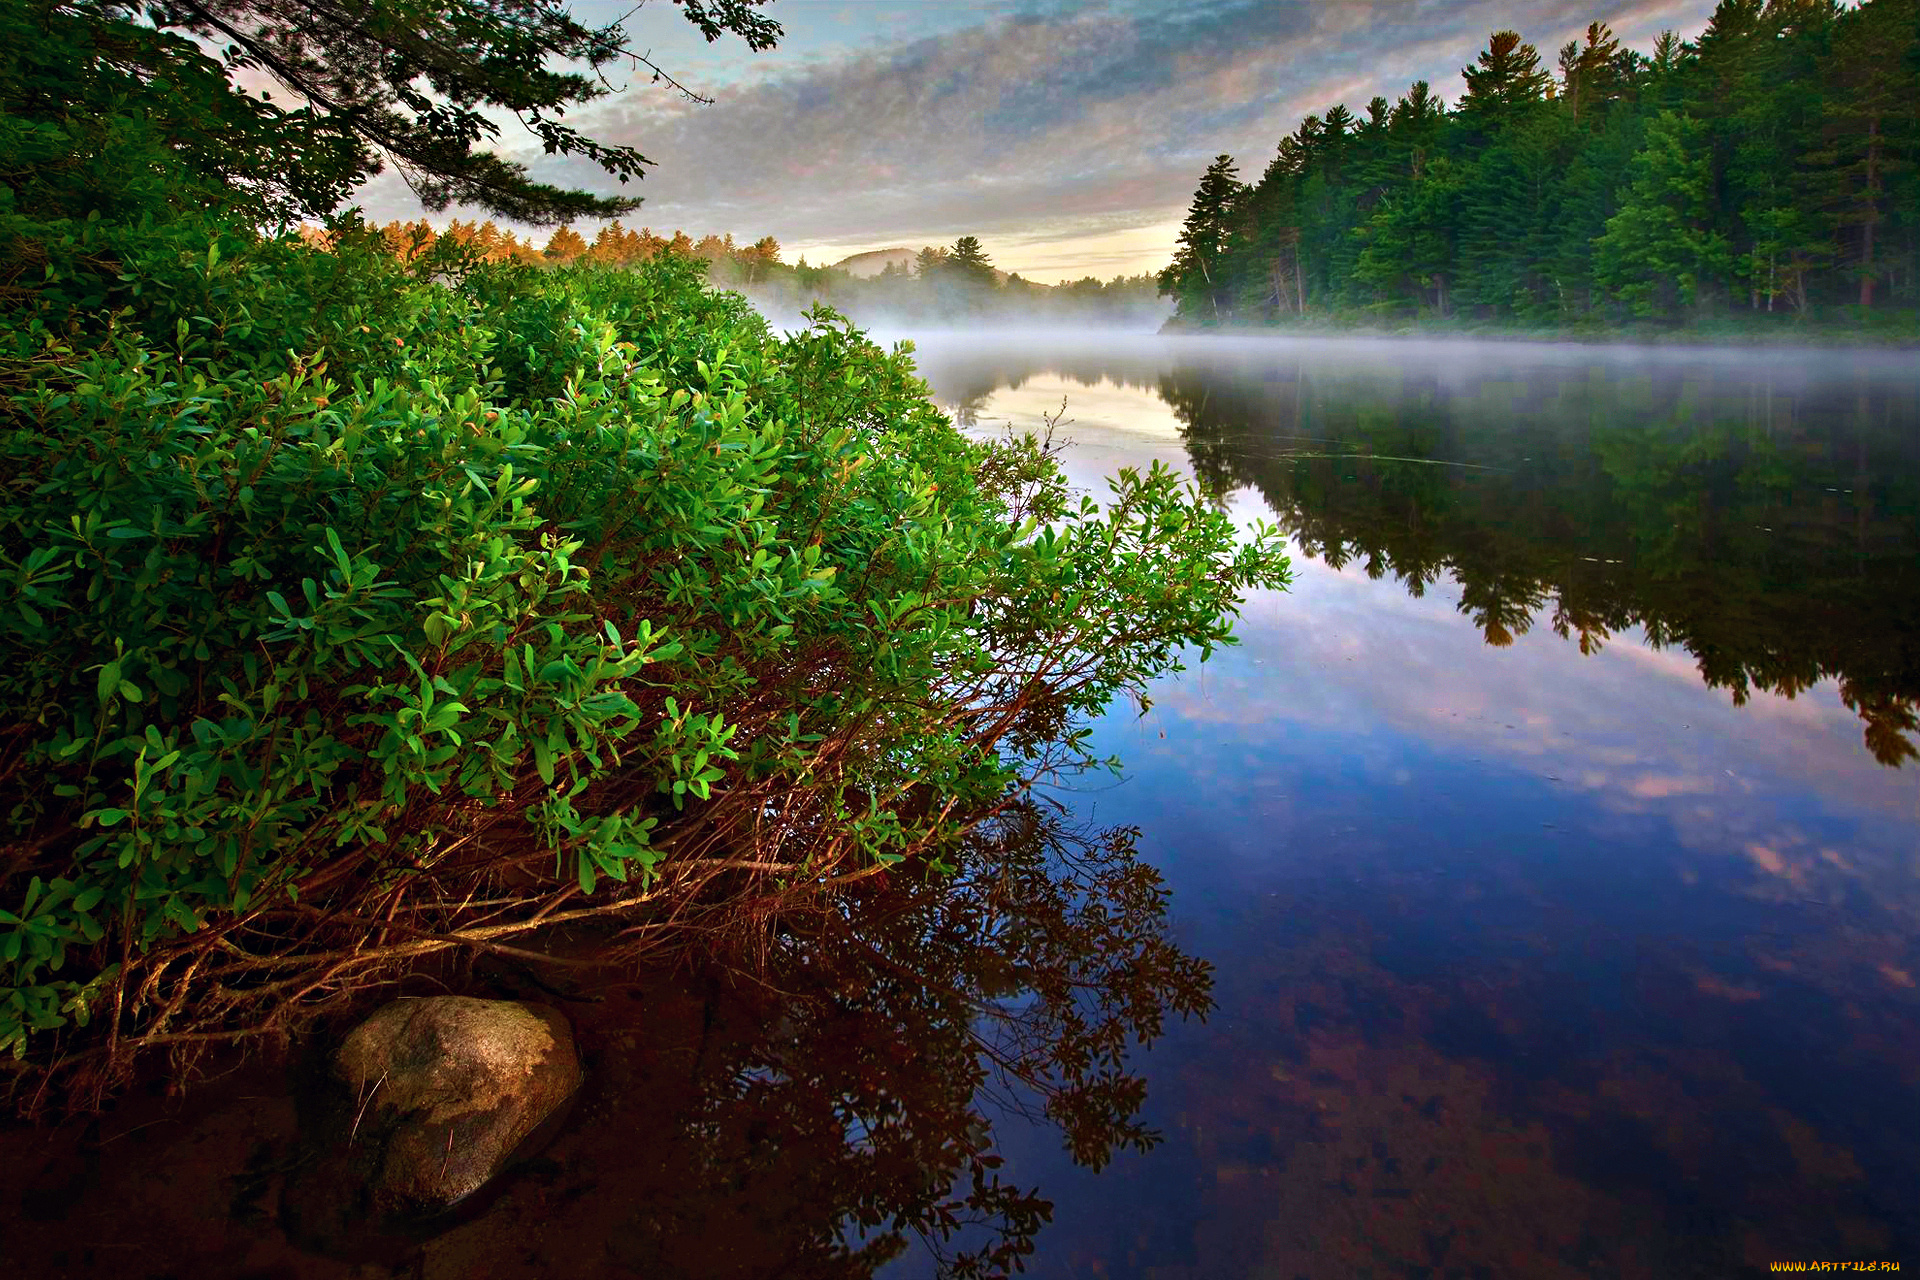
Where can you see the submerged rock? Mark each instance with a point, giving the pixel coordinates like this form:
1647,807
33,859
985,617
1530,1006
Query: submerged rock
433,1097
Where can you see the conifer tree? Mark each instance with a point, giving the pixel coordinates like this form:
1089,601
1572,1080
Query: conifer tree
928,263
1774,167
1600,69
1415,125
968,263
1507,209
565,245
610,245
1505,81
1660,252
1203,239
415,84
1409,241
1872,109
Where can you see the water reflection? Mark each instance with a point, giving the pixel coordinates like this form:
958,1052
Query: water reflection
848,1115
1566,916
1760,514
815,1110
1538,954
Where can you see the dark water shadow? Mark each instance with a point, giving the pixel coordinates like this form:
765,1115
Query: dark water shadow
819,1111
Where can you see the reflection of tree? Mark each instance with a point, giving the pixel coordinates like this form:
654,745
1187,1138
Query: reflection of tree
808,1122
966,412
848,1111
1751,533
1764,522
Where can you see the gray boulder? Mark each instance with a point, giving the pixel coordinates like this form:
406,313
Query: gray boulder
432,1098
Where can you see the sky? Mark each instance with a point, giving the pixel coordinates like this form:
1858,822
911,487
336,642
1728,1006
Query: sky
1068,135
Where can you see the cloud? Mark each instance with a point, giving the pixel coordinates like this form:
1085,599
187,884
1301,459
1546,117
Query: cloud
1032,125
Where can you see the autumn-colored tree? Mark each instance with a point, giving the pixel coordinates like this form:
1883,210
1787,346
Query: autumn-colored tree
759,257
408,240
565,245
488,239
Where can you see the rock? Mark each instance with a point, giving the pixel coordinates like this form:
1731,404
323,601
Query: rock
435,1097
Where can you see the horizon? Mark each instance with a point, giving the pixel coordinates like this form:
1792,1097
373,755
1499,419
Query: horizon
893,124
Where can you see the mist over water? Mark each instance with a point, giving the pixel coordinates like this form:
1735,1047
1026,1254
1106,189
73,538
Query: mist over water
1556,837
1058,314
959,358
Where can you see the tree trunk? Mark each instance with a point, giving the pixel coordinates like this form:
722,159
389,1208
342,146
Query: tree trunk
1873,212
1208,277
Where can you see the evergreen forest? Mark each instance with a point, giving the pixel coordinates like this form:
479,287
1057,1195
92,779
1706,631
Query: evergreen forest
1760,176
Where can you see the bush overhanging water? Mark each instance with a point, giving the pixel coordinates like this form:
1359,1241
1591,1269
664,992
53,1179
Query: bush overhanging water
359,610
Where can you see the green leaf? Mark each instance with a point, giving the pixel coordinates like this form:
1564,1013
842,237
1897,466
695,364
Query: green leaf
339,552
109,680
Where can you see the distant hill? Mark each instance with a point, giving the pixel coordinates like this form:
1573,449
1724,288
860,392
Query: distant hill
863,266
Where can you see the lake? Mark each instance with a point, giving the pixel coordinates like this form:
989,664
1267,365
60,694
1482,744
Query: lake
1546,861
1555,838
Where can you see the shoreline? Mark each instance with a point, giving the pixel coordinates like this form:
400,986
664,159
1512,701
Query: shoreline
1801,339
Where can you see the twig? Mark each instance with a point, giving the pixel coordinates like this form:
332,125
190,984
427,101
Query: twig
364,1104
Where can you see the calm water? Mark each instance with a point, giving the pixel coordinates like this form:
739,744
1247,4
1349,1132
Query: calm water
1556,838
1554,843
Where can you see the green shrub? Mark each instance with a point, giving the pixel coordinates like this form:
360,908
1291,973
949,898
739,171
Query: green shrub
348,599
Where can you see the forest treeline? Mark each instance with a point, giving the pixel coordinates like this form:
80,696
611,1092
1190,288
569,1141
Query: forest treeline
1764,170
942,284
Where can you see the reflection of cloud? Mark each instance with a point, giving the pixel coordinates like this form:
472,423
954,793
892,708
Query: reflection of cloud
1633,724
1771,861
1102,411
1342,654
1714,985
1626,735
1357,1118
1656,787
